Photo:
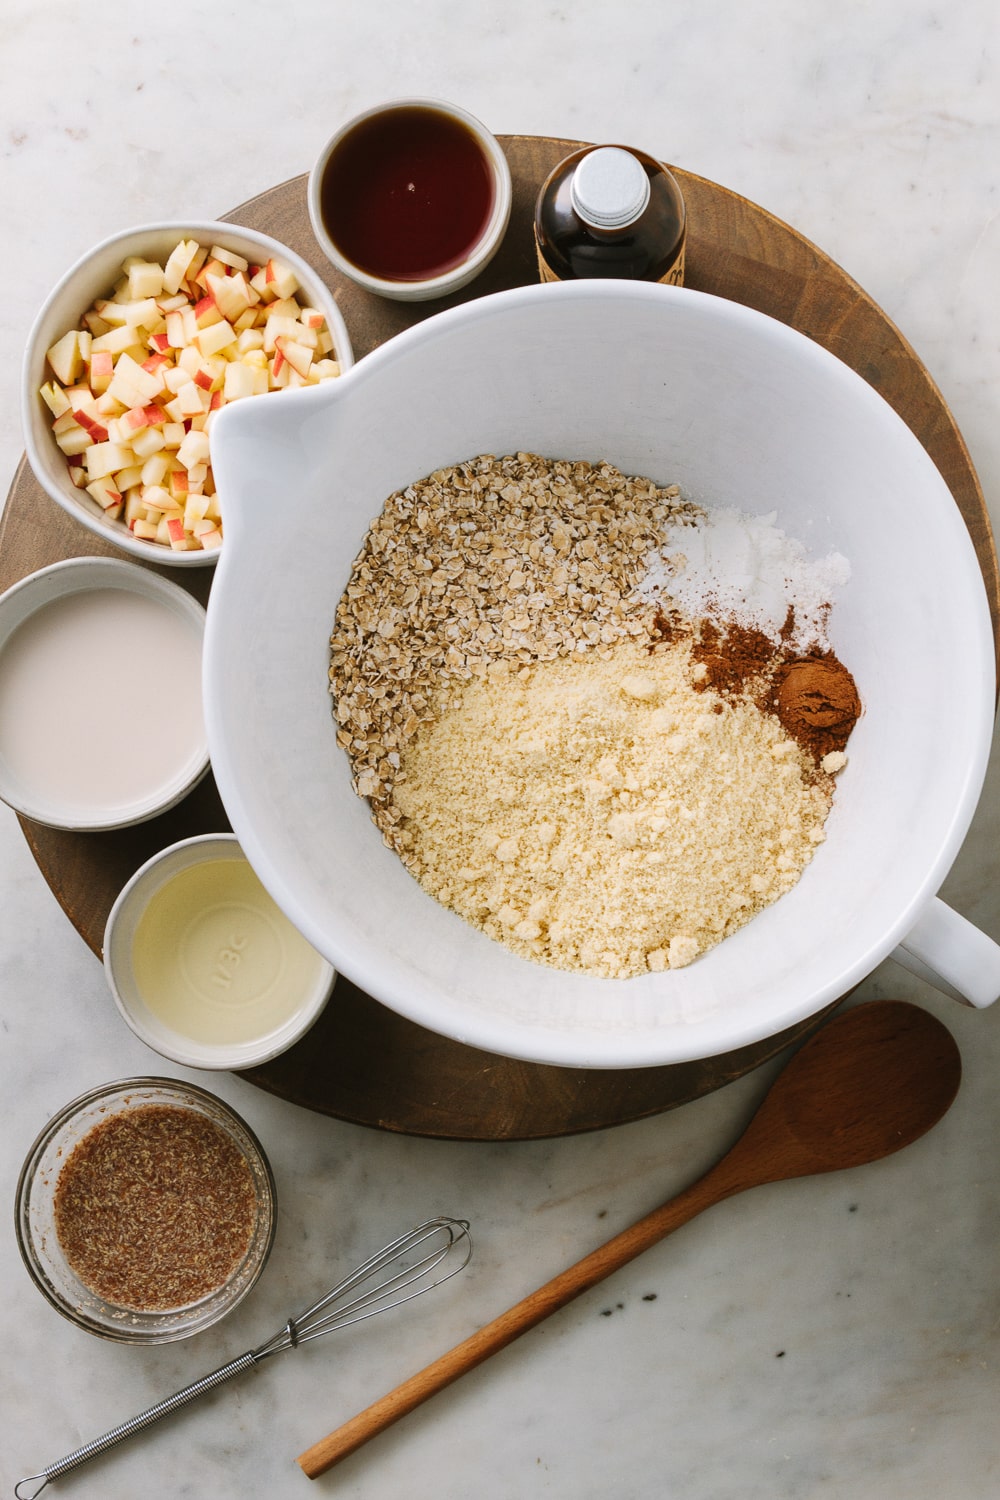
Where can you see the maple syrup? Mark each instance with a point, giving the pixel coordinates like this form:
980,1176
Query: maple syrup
608,211
407,193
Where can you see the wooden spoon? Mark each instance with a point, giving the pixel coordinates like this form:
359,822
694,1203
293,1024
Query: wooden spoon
870,1082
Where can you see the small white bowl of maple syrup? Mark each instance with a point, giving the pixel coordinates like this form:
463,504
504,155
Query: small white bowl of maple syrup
411,198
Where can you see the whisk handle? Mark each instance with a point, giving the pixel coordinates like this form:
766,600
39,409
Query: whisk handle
134,1425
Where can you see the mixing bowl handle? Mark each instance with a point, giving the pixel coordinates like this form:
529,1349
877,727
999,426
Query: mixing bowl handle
952,955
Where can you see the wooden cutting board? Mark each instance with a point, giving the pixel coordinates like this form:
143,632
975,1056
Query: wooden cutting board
362,1062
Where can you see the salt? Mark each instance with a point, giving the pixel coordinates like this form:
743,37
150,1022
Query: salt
745,568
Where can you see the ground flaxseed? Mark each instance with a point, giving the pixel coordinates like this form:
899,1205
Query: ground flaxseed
155,1208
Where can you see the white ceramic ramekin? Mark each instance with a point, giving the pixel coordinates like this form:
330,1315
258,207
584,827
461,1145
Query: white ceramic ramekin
93,275
261,958
160,730
480,254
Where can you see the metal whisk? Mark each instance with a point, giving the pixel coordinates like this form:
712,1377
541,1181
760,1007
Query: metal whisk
409,1266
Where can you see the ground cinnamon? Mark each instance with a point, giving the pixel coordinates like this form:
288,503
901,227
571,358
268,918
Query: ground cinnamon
814,697
816,702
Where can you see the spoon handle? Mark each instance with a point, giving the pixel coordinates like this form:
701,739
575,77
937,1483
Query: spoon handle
720,1182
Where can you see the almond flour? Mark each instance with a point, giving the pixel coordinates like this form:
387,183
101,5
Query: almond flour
602,814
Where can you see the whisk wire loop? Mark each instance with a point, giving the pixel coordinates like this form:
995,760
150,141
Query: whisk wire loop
332,1311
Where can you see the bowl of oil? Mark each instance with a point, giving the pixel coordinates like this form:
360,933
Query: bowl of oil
203,965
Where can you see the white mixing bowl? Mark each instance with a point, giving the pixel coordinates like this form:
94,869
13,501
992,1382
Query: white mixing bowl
740,411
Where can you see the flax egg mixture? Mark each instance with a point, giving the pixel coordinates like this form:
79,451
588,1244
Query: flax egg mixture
155,1208
598,722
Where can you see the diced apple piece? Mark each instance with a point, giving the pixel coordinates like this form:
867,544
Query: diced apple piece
66,358
229,257
178,375
179,262
107,406
280,278
102,368
326,369
74,440
132,384
231,294
207,311
312,318
145,279
143,313
297,355
155,497
218,336
250,338
105,458
211,267
105,492
193,450
98,432
128,479
210,540
115,341
238,383
279,325
96,325
55,398
154,470
194,511
134,507
144,529
192,399
147,441
176,331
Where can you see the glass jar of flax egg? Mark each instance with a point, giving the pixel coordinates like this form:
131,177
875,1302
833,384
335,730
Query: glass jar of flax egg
610,211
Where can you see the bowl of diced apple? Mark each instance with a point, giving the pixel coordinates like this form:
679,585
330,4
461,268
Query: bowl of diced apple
143,340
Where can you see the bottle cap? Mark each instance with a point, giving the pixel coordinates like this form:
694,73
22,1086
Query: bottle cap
610,188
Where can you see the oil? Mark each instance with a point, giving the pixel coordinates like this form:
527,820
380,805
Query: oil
407,193
216,960
610,211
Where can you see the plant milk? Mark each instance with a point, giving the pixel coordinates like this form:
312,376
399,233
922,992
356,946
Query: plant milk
100,700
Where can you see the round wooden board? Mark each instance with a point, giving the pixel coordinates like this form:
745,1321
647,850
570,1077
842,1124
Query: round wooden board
362,1062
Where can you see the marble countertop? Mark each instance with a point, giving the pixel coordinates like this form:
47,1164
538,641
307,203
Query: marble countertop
837,1336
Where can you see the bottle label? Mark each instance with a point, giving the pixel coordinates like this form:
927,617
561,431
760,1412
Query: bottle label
674,277
545,271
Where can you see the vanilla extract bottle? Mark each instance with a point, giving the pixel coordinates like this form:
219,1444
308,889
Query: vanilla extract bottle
610,211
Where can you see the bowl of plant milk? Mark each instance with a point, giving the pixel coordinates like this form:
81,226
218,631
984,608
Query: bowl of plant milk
101,720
